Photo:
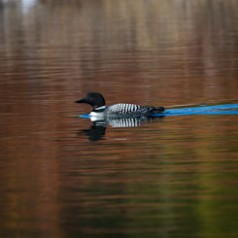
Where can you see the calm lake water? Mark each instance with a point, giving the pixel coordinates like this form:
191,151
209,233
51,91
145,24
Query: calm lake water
173,177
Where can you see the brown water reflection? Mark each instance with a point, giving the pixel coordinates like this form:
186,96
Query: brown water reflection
174,177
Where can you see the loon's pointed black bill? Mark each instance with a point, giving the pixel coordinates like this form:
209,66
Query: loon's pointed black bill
80,100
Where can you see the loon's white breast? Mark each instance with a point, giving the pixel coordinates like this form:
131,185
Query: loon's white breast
98,114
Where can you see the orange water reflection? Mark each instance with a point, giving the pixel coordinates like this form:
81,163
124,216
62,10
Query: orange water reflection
175,176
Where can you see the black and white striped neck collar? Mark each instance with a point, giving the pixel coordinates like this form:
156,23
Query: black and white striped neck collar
99,109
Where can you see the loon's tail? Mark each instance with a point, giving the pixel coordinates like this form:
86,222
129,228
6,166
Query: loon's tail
156,110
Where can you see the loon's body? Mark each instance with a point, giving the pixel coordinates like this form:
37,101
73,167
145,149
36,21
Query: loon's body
121,110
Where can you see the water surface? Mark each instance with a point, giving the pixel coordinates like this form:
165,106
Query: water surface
175,176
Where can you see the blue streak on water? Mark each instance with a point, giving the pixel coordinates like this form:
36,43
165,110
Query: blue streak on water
223,109
86,116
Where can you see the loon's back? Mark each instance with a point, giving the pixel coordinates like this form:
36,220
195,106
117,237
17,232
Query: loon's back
131,110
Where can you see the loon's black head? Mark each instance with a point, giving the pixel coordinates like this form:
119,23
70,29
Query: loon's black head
93,99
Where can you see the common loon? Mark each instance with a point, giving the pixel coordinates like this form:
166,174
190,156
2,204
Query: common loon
121,110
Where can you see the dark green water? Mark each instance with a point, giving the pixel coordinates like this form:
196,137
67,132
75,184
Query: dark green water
172,177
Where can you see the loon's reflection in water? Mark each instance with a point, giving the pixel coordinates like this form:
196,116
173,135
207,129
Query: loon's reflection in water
94,133
97,130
